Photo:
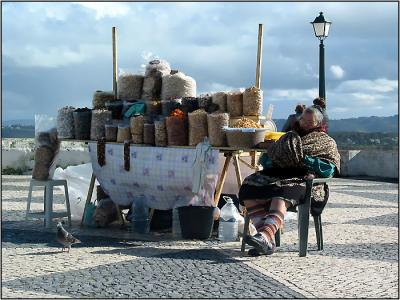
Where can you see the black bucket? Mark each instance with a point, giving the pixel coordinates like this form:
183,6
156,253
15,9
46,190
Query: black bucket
196,221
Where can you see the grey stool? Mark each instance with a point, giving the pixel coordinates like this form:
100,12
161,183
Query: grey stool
303,216
48,213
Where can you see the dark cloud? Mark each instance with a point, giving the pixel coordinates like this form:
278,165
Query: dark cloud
57,54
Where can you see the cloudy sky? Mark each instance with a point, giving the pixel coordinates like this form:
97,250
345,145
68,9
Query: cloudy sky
57,54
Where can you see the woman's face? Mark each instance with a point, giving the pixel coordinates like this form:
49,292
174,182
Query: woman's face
307,121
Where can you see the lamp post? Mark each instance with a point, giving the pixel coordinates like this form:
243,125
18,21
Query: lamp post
321,31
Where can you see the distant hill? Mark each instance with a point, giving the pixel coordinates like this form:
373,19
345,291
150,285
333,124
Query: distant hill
22,122
17,131
26,128
361,124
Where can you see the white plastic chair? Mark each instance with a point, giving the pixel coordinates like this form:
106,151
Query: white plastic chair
48,213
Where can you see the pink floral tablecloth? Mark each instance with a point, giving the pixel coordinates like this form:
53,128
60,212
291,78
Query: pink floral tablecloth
164,176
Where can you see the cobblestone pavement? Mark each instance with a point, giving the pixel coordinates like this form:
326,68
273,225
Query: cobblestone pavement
359,260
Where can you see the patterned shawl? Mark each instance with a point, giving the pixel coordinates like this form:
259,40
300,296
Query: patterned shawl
290,149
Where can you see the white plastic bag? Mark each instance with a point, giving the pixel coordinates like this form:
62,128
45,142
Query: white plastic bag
78,180
205,197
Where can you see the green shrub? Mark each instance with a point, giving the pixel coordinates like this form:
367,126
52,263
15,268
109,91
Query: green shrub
12,171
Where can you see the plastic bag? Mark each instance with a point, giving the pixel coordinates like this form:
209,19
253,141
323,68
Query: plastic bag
205,197
78,180
47,147
137,108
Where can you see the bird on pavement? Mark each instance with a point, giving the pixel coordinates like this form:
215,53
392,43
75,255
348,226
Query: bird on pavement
65,238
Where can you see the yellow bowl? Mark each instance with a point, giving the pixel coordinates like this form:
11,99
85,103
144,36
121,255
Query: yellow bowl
273,136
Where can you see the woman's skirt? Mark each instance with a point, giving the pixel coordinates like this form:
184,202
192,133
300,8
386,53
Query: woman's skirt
265,185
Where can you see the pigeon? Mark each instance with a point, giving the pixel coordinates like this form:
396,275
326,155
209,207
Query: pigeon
65,238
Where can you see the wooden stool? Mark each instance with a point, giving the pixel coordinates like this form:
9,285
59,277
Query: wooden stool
48,213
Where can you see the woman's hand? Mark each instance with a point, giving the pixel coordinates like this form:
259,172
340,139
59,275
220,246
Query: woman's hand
309,176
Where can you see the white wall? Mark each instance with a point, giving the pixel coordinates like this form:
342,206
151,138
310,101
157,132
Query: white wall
24,158
377,163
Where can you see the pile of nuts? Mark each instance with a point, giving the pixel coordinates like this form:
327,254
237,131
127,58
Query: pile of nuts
246,123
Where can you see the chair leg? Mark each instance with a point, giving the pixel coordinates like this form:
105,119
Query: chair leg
45,203
28,203
49,205
67,203
245,232
321,241
278,238
318,232
303,222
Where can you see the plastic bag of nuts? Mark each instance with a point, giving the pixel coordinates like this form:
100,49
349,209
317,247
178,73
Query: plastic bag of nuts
111,132
148,134
198,128
177,130
130,86
137,138
252,101
137,123
205,101
47,147
65,122
216,122
124,133
100,98
160,133
220,99
234,103
100,117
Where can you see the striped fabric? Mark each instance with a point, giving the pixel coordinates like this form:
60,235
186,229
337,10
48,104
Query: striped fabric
266,222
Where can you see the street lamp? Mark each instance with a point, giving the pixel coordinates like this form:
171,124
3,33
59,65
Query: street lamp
321,30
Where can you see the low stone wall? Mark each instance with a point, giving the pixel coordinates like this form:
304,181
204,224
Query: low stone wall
376,163
19,154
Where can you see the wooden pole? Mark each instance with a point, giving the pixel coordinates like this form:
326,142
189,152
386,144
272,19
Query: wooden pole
259,56
115,66
258,77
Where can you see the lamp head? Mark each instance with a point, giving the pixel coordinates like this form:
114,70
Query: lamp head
321,26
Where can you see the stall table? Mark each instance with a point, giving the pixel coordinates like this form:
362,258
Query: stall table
230,154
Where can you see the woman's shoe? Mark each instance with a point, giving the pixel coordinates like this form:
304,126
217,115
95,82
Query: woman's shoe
260,244
253,252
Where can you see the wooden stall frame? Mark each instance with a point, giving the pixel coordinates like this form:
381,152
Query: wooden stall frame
115,62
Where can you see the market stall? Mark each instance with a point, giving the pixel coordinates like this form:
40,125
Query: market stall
154,137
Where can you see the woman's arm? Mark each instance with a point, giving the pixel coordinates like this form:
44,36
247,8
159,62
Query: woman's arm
265,161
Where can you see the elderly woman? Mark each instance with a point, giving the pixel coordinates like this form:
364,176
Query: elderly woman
268,194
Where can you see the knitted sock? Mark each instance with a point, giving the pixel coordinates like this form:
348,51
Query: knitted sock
271,224
267,223
256,212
